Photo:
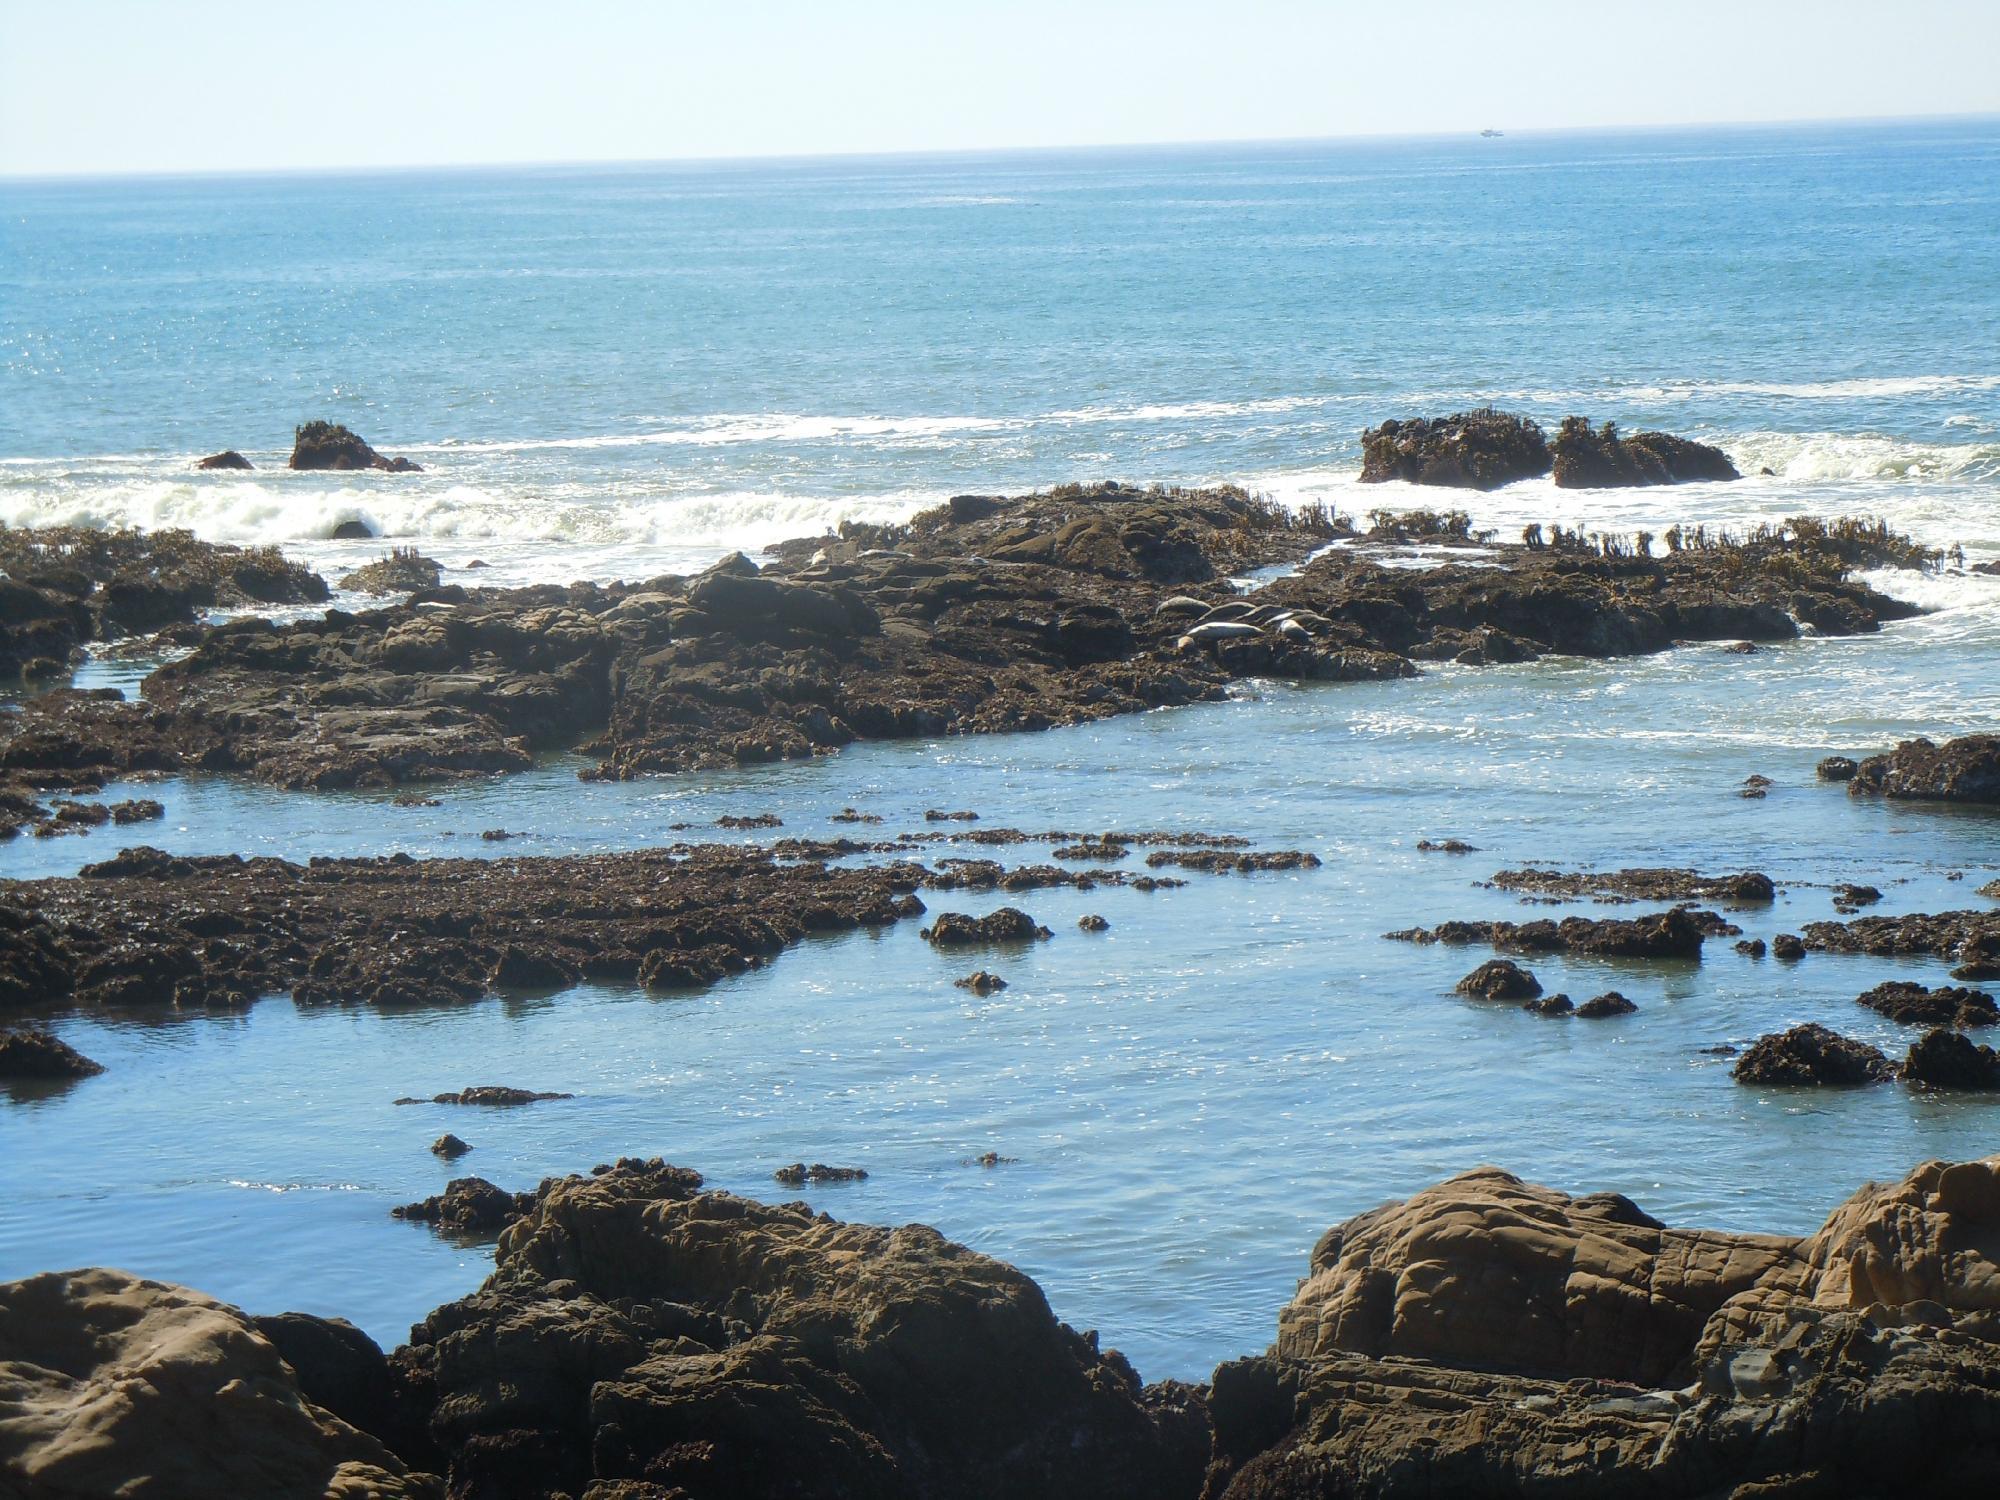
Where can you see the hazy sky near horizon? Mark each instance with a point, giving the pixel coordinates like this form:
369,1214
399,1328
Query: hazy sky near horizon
121,86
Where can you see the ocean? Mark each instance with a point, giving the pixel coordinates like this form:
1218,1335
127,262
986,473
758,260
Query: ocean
620,371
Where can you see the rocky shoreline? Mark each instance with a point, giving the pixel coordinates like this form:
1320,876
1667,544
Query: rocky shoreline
643,1339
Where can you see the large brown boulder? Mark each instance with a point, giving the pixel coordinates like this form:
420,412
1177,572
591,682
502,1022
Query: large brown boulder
114,1385
1960,770
1489,1337
637,1331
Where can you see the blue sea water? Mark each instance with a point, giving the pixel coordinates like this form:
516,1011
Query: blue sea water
610,371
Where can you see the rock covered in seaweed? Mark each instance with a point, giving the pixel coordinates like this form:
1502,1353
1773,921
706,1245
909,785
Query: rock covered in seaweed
1499,979
1961,770
1479,450
1948,1059
1811,1054
328,445
38,1054
1587,457
1007,925
403,571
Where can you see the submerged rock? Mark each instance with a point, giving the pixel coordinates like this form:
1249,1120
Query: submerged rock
1751,886
1610,1003
229,458
1961,770
798,1174
1811,1054
1479,450
488,1094
449,1146
982,982
35,1053
1677,933
1600,458
1551,1005
469,1206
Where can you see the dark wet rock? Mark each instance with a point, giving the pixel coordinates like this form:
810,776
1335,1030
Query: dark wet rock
1587,457
1971,937
940,815
136,810
62,587
1610,1003
1007,925
1852,896
328,445
1222,861
1676,933
1948,1059
116,1385
1742,648
1961,770
488,1094
469,1206
1642,885
982,982
1751,947
1479,450
1092,922
1811,1054
342,1370
1100,851
1914,1004
1445,846
992,1159
1837,768
415,799
523,967
34,1053
1551,1005
353,531
229,458
1788,946
1489,1337
1499,979
752,820
855,815
449,1146
403,571
640,1338
1991,890
798,1174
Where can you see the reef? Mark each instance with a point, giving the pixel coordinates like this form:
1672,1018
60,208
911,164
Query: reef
1020,614
1750,887
1675,933
641,1338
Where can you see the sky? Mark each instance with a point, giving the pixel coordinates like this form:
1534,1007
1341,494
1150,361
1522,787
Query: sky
119,86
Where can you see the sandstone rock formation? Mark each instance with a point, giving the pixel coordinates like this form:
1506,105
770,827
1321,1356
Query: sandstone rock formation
114,1385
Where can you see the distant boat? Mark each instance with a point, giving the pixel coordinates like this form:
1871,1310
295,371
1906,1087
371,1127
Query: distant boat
1489,134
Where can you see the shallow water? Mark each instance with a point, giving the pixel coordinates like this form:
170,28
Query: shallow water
611,372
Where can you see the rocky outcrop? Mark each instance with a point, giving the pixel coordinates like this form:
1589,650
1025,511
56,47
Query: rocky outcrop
1499,979
229,458
37,1054
1677,933
798,1174
1587,457
403,571
65,586
490,1095
1610,1003
1960,770
1812,1055
639,1337
469,1208
328,445
1948,1059
1913,1004
1478,450
1971,937
1007,925
114,1385
1491,1337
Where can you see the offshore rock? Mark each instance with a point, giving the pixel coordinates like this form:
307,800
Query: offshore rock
328,445
469,1208
1749,887
798,1174
638,1337
114,1385
1960,770
1811,1054
1677,933
1007,925
229,458
1599,458
1479,450
403,571
1610,1003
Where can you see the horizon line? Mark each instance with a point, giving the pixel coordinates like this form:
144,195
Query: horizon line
355,169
